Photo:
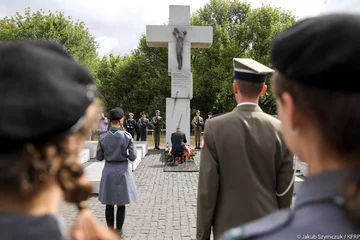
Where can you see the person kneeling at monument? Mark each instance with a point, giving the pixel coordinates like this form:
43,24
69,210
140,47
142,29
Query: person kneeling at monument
178,141
117,186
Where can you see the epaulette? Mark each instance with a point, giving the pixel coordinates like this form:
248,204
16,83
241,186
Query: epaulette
260,227
128,134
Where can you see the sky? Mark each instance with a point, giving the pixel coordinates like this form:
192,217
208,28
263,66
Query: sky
118,24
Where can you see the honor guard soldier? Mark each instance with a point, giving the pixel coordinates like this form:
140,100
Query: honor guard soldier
246,170
316,62
131,124
143,123
197,123
156,124
138,128
209,117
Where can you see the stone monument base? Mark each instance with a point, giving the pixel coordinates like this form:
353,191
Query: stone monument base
177,115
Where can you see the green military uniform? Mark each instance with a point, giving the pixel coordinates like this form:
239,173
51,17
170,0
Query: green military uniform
157,123
246,170
197,123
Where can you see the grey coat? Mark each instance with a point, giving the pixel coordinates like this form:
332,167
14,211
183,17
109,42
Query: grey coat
117,186
20,227
318,212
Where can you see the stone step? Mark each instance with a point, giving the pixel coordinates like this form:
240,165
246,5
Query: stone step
297,183
143,145
84,156
92,146
94,171
300,167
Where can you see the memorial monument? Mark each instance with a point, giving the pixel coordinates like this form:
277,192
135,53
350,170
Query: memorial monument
179,37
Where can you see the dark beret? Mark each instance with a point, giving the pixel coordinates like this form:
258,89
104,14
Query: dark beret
44,93
142,113
321,52
116,114
209,113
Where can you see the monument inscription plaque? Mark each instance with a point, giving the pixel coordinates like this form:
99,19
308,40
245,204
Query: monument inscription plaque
181,85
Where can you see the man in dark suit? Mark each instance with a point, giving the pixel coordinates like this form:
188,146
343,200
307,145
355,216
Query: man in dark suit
178,140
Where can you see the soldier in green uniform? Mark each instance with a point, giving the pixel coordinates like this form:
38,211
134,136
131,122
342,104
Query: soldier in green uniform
156,124
246,170
197,123
316,62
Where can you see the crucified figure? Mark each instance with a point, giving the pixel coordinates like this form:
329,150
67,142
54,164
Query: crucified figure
179,45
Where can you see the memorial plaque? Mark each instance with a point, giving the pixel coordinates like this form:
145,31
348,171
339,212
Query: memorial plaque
181,85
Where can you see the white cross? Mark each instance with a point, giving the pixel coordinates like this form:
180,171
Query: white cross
162,36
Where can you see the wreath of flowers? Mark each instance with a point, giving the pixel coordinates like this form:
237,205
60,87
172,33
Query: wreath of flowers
189,154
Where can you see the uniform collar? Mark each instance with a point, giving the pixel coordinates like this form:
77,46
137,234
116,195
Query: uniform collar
248,107
325,186
246,103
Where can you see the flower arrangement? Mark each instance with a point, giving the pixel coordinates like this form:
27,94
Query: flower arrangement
189,154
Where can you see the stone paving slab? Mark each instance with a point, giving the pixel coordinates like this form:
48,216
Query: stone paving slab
166,208
189,166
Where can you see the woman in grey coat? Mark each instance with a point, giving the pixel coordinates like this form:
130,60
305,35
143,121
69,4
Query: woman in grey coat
117,186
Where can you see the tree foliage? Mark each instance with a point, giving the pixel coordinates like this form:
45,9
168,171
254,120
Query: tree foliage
41,25
139,81
239,31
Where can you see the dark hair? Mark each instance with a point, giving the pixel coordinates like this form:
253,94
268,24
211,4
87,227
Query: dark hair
28,172
337,116
249,89
114,122
34,167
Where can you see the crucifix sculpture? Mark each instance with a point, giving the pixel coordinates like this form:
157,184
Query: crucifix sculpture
179,45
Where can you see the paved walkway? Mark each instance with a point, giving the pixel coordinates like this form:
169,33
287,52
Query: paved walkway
166,208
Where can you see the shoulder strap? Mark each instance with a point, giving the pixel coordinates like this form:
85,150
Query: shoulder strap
260,227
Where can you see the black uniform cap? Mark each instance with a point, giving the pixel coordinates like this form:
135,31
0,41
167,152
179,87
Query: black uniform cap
44,93
116,114
322,52
209,113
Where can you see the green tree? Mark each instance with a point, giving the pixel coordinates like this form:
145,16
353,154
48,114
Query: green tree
138,82
108,81
74,36
263,25
239,31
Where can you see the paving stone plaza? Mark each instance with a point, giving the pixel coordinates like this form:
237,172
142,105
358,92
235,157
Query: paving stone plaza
166,208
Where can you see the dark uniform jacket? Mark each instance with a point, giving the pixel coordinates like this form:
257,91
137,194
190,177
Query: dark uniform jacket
130,124
244,166
26,227
178,139
318,213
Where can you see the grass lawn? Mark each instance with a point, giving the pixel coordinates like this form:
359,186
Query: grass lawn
150,141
